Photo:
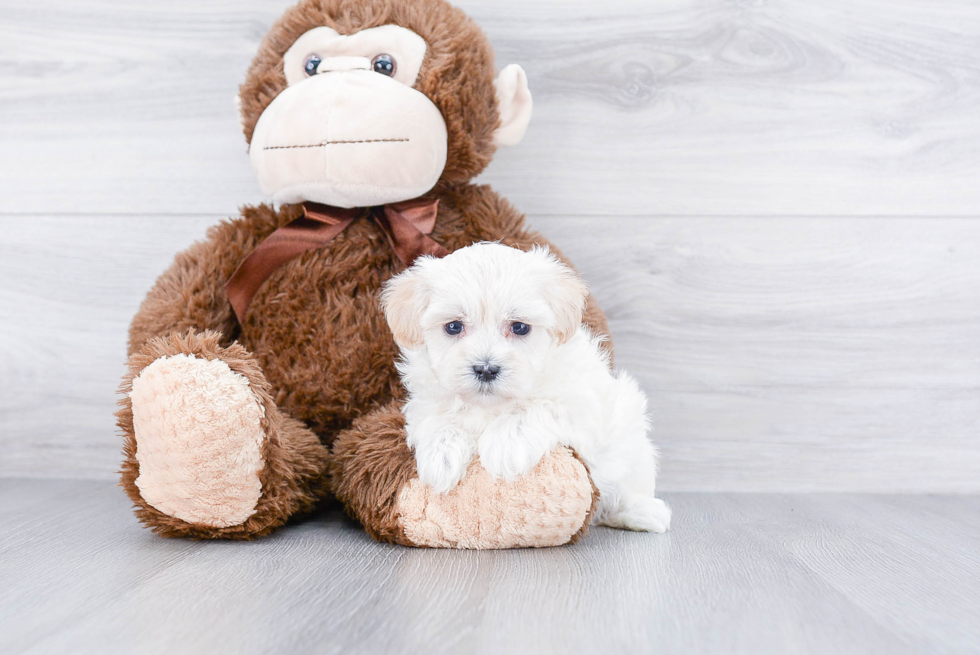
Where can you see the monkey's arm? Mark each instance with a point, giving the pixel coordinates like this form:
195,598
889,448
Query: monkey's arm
190,295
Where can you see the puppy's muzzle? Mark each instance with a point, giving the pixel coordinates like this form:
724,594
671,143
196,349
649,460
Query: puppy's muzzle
486,372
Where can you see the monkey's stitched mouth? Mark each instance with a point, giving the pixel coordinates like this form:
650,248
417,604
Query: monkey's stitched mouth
334,143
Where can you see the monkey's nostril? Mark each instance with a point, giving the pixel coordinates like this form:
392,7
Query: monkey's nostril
486,372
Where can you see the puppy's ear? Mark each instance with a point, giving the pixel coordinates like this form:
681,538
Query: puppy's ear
566,296
403,303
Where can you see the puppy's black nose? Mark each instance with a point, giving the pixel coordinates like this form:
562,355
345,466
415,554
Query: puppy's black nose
486,372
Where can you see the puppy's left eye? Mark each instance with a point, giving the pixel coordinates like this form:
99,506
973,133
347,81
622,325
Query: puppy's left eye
520,329
453,328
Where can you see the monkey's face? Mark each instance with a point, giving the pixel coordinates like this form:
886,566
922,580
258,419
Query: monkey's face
349,130
364,104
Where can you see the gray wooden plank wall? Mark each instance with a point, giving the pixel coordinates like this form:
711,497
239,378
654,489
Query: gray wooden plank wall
778,204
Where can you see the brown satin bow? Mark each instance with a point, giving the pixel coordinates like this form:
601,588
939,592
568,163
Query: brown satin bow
406,224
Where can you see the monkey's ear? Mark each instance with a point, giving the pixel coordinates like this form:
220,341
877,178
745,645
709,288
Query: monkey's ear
403,302
514,105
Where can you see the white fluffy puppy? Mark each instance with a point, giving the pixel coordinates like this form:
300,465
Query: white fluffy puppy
497,363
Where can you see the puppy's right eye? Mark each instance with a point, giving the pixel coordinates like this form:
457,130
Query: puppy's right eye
454,328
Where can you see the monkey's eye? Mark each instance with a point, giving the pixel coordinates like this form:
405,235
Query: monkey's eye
384,64
453,328
311,64
520,329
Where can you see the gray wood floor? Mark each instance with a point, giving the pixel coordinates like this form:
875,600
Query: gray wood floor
740,573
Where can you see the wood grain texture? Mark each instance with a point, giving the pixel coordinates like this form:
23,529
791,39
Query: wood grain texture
683,107
729,176
739,573
778,353
803,353
70,286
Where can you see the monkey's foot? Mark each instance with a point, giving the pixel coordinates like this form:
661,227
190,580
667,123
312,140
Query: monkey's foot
198,440
208,453
374,475
548,506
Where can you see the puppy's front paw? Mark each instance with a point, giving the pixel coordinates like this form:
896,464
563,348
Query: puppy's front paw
507,451
643,513
441,461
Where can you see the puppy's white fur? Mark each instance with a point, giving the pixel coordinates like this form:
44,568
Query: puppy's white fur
554,385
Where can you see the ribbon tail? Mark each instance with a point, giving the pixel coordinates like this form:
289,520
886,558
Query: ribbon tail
406,229
309,232
406,226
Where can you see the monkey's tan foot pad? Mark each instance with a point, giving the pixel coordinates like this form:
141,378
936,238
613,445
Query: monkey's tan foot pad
550,506
198,440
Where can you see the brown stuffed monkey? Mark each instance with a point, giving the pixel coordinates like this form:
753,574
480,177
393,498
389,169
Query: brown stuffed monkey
261,375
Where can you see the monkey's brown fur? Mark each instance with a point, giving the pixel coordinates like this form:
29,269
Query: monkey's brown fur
315,346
